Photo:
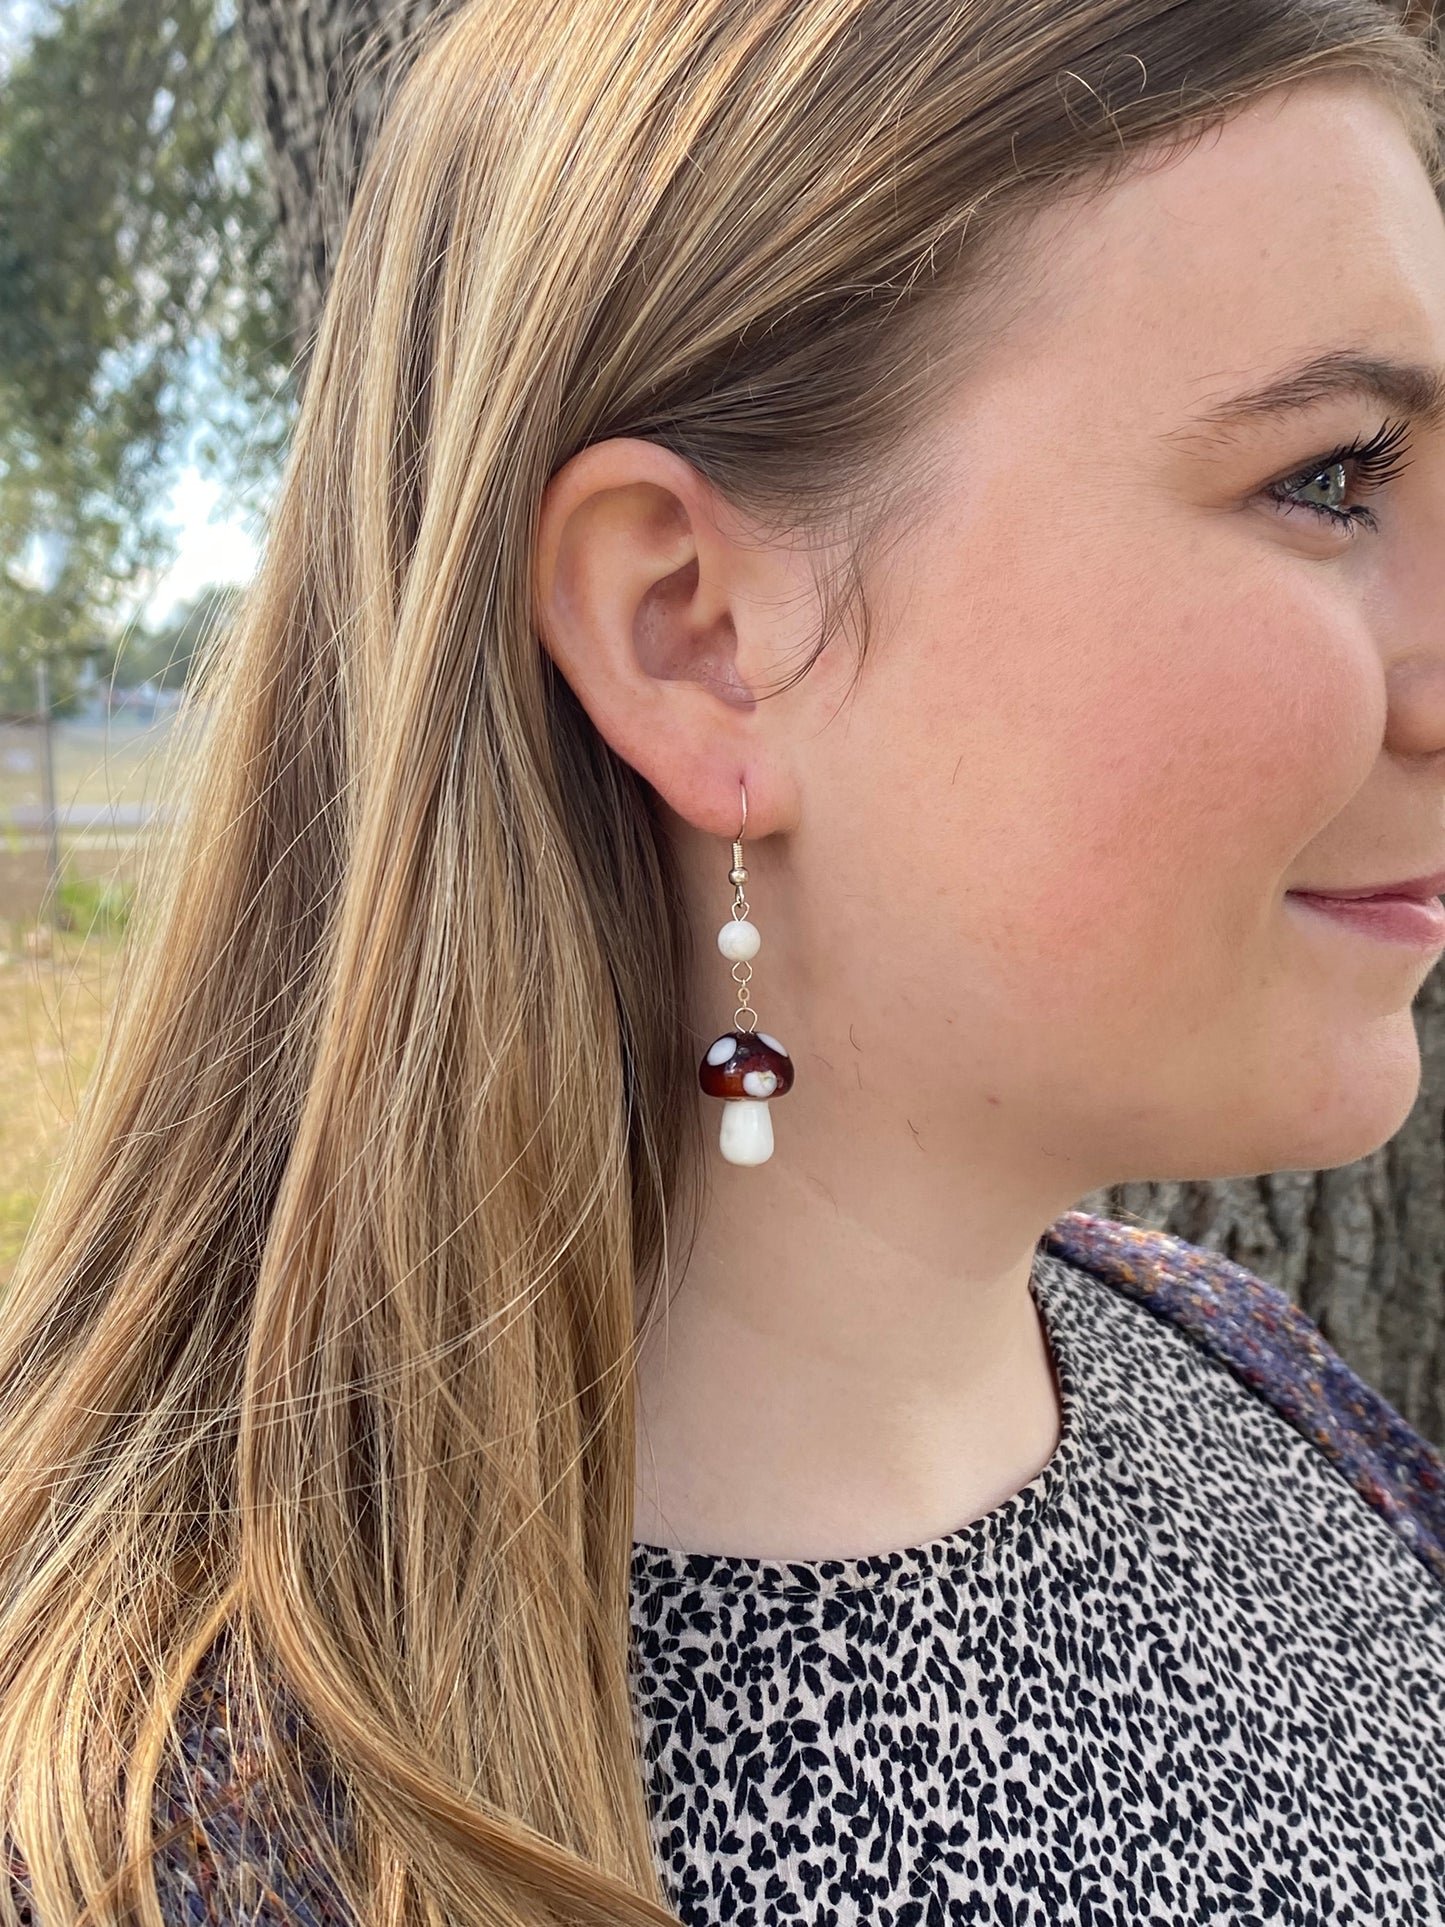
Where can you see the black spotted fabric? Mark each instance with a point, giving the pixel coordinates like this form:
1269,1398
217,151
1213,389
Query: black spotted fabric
1187,1674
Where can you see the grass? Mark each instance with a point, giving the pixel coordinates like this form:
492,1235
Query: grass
53,1007
98,905
52,1017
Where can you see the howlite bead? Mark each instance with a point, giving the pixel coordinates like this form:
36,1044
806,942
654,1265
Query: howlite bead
739,940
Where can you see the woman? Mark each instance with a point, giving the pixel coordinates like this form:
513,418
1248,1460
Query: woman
957,491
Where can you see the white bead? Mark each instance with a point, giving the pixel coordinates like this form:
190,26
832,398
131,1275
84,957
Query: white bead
739,940
747,1130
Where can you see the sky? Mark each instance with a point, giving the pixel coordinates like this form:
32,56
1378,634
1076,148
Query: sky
216,542
17,18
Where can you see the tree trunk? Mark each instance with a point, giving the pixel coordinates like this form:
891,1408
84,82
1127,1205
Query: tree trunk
320,72
1361,1248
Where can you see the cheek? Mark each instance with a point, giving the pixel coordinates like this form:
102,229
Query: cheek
1121,781
1206,750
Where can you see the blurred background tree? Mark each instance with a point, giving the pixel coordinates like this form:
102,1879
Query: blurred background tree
143,296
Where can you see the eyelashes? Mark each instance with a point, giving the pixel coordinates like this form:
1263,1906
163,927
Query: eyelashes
1376,461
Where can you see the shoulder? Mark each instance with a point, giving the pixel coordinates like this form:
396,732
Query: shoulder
228,1849
237,1849
1258,1333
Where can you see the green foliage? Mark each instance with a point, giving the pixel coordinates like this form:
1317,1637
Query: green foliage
141,302
94,906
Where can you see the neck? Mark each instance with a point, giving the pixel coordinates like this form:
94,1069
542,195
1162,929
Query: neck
846,1367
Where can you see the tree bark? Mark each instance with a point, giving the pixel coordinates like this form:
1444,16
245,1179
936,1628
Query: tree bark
1362,1248
320,75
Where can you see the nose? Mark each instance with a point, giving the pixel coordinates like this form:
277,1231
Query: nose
1415,719
1415,626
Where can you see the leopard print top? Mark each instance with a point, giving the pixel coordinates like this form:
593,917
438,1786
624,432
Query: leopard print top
1187,1673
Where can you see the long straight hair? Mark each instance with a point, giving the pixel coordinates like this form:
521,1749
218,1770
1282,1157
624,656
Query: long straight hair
319,1356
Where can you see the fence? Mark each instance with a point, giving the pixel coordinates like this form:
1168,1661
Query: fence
107,773
24,856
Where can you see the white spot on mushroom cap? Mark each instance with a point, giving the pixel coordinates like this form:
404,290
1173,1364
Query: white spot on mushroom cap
760,1083
722,1050
772,1042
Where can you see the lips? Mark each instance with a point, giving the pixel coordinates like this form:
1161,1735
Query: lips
1413,889
1419,921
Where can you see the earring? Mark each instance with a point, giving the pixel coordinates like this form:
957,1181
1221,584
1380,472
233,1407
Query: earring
744,1066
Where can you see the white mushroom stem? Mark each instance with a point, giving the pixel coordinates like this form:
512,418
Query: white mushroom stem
747,1130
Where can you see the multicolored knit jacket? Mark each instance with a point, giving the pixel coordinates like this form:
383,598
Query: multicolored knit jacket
234,1861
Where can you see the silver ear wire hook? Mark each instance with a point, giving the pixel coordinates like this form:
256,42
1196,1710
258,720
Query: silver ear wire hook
738,857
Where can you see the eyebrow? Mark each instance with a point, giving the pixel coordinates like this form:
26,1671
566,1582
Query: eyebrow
1411,388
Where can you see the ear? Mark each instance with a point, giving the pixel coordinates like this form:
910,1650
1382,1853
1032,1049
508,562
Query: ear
664,618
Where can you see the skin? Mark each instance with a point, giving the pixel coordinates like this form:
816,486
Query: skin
1022,894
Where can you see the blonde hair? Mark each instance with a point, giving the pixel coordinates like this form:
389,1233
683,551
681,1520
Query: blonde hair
320,1352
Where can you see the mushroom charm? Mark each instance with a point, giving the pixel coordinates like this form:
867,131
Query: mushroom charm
746,1068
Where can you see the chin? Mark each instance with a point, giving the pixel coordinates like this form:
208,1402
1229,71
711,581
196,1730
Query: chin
1345,1104
1312,1101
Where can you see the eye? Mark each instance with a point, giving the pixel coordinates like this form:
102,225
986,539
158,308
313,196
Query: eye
1373,462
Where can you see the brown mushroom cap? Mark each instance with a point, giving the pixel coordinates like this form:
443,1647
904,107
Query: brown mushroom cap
753,1056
